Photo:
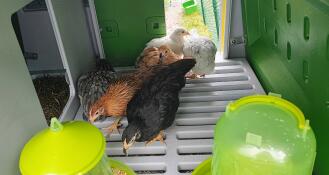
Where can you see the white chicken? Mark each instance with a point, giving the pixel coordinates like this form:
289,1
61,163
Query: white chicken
203,50
175,41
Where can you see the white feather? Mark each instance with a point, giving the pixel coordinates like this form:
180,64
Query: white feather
203,50
175,41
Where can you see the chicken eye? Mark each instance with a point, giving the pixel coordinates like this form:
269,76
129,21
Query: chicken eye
183,31
166,51
96,113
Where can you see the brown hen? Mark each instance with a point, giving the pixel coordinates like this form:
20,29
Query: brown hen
156,56
114,102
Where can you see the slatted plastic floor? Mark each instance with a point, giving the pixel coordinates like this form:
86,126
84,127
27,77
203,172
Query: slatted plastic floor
189,140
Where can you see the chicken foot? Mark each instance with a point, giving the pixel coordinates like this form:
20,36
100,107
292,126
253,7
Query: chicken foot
159,137
194,75
191,75
114,126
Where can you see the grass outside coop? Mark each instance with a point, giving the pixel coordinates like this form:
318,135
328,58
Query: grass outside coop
194,21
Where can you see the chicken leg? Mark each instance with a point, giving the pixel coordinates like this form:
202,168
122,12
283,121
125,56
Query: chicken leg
114,126
159,137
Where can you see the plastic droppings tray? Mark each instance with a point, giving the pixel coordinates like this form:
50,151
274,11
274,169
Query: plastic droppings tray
189,141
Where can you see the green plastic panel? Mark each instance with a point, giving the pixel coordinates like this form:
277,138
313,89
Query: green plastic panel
126,26
288,47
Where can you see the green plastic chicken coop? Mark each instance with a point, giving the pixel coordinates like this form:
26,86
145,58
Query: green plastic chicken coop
285,42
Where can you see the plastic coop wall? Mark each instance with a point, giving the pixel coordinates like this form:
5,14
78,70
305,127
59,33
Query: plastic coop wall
288,46
20,111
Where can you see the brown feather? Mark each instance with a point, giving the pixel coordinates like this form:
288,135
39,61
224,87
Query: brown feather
151,57
120,92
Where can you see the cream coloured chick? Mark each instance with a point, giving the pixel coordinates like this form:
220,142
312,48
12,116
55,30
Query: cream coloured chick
175,41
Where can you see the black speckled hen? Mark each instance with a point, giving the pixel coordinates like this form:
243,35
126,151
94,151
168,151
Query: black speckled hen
92,85
154,106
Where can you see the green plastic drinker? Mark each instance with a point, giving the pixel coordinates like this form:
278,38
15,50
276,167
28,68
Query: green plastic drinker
262,135
71,148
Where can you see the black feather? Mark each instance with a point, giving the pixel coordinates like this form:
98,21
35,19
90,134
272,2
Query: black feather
154,106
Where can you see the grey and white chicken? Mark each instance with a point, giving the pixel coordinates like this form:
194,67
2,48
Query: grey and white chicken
92,85
175,41
203,50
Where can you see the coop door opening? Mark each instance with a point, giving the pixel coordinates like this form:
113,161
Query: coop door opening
37,40
204,17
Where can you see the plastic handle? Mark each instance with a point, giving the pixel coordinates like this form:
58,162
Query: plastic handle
271,99
55,125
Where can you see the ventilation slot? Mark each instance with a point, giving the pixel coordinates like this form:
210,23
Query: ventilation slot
306,28
328,47
201,109
288,51
235,63
187,167
217,87
274,5
288,13
265,25
151,172
195,147
219,78
275,37
305,71
148,167
228,70
212,97
195,132
197,119
139,148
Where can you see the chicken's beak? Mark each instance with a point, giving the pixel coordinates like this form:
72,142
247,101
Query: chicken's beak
92,119
125,152
125,147
161,58
187,33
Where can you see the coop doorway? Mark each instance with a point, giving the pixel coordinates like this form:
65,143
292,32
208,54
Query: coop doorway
202,17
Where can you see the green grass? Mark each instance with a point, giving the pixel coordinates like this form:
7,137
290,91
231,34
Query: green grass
194,21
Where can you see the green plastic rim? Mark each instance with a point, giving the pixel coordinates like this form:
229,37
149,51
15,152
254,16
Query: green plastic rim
204,168
121,166
274,100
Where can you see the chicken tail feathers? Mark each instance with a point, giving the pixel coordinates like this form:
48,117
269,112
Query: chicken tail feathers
183,66
102,64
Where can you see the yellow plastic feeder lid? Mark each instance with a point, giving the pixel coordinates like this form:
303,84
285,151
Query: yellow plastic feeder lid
70,148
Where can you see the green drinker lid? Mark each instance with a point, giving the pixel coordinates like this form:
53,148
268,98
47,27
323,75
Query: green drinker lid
258,135
263,134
